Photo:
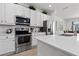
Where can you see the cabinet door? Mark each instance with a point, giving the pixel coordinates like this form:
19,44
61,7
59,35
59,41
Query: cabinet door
38,18
2,13
7,45
9,12
33,18
27,12
11,45
41,20
19,11
34,41
44,17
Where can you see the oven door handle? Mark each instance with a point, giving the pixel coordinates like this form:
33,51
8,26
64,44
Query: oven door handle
24,35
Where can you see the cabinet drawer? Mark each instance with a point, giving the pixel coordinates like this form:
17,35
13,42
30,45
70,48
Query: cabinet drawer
3,37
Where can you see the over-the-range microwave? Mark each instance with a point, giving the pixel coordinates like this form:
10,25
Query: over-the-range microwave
22,21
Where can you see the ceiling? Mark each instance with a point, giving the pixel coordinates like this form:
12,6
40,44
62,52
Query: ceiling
63,10
43,6
66,10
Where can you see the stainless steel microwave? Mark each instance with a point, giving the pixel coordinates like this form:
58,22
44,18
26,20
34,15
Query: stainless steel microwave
22,21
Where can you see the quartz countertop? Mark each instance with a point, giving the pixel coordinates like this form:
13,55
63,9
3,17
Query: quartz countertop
66,43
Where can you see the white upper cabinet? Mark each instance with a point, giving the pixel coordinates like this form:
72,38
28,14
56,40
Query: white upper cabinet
9,14
41,23
45,17
2,13
39,19
33,18
9,11
36,18
19,10
27,12
22,11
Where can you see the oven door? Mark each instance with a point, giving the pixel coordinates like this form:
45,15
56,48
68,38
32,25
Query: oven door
23,40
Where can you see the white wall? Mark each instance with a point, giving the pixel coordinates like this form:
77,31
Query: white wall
57,23
66,23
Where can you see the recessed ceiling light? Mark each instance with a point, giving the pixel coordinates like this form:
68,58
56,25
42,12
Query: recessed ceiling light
50,5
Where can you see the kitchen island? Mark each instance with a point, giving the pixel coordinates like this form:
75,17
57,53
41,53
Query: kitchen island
57,45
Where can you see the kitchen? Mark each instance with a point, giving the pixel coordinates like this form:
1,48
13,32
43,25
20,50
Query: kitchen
27,26
19,25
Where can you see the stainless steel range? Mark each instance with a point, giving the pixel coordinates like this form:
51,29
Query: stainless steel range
23,36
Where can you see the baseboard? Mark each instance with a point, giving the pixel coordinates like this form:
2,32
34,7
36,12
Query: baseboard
8,54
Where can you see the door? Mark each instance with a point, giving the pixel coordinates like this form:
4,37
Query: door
33,18
44,17
34,41
10,14
2,13
27,12
41,20
38,19
19,10
7,45
24,39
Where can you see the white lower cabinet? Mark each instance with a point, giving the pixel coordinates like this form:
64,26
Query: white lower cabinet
7,45
45,49
34,41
